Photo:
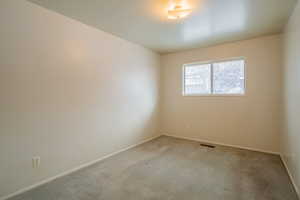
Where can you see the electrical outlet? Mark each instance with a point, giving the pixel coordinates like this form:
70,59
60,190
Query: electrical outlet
36,161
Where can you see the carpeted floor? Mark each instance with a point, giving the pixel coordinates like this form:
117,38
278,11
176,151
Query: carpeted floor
174,169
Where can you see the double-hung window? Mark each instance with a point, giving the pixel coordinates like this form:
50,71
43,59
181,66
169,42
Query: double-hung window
214,78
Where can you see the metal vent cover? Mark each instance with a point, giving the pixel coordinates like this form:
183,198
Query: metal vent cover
208,146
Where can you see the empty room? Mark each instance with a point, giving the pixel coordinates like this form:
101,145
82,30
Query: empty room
149,99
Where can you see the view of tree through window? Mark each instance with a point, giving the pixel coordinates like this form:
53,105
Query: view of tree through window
229,77
225,77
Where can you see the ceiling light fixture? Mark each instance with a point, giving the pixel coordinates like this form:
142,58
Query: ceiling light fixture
177,11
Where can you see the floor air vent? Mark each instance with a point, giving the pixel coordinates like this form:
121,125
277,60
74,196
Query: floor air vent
208,146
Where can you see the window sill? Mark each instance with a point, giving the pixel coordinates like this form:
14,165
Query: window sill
214,95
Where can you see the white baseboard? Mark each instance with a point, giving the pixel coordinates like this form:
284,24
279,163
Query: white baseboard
221,144
290,175
73,170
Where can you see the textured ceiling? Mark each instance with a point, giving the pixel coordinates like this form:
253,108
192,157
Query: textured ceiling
144,21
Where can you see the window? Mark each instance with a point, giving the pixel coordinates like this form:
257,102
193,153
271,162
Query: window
215,78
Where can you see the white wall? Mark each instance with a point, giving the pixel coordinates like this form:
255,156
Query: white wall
251,121
69,93
291,134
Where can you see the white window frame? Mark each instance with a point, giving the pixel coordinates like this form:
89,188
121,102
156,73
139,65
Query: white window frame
211,62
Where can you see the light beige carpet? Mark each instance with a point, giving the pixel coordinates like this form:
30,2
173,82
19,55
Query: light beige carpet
174,169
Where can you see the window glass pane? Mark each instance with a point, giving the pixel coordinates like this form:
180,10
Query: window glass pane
197,79
228,77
